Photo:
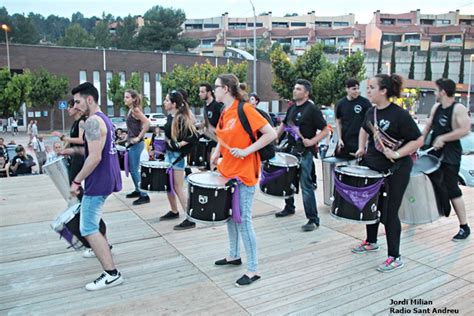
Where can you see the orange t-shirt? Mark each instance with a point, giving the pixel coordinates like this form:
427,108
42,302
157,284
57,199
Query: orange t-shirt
230,131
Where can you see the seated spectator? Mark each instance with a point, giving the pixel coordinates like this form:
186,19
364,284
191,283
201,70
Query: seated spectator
4,168
55,154
21,164
3,149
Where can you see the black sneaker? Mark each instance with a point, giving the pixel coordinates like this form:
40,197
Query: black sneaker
133,195
246,280
169,215
223,262
462,234
142,200
185,225
284,213
309,226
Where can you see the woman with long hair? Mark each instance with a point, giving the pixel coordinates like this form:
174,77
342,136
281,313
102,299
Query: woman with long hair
241,161
392,137
181,134
137,126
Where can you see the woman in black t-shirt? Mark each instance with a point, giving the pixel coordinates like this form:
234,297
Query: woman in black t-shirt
401,137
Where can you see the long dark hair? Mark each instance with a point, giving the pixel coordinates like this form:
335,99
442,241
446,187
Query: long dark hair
183,117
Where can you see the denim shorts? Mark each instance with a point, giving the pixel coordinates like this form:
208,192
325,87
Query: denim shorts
91,212
171,156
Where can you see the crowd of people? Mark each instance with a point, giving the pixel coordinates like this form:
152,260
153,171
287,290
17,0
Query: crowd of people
377,131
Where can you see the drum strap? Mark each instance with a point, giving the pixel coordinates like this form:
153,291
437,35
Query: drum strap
358,196
170,172
235,182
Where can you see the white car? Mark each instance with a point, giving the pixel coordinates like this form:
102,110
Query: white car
466,173
156,119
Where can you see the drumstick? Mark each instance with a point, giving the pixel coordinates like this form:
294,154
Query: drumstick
295,128
377,137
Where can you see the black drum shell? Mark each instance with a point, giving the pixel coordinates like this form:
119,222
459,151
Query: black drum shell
209,205
286,185
154,179
200,154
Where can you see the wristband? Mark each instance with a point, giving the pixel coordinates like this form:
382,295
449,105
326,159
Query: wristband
77,183
398,155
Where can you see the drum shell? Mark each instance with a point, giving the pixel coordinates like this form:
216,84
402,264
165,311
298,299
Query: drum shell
200,154
328,166
58,173
345,210
154,177
209,204
285,186
419,201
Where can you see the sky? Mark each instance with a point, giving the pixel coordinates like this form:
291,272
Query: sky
363,9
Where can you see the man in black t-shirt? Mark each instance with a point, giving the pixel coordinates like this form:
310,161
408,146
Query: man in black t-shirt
21,164
213,109
305,119
350,114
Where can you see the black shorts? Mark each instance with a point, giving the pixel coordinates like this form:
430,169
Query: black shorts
451,179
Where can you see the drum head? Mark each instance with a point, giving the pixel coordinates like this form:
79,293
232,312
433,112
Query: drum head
426,164
121,148
283,160
155,164
358,171
335,160
208,179
65,217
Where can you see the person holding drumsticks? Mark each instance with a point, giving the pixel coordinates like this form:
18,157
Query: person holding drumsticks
392,137
240,160
180,134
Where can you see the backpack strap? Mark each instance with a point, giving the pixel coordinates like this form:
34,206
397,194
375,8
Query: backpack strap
244,121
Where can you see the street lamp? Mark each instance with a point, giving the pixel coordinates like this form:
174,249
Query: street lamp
350,45
471,57
7,29
254,48
388,67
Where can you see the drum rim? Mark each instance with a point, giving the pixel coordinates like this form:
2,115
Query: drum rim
338,171
121,148
190,181
340,159
56,225
354,221
54,161
272,163
164,165
210,223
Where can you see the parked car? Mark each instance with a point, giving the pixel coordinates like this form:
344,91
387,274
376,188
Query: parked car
119,122
466,173
156,119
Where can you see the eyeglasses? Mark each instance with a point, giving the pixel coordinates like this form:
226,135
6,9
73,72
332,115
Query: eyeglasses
218,86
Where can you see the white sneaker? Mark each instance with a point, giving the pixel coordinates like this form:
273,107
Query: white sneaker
105,280
89,253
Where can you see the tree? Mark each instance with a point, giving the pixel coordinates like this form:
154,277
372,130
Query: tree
136,84
393,66
189,78
115,92
24,30
283,73
126,33
87,23
446,66
55,27
16,93
47,89
76,36
101,34
411,74
379,62
428,73
461,65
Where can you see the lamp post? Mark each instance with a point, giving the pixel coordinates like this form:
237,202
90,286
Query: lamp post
350,45
388,67
254,48
471,57
6,29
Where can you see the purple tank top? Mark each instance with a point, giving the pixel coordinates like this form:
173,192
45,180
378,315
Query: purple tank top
106,177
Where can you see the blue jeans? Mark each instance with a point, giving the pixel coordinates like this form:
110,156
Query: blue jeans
244,229
171,156
91,212
134,153
309,198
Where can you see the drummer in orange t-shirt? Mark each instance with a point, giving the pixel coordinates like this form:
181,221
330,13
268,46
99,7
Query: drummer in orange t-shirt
240,160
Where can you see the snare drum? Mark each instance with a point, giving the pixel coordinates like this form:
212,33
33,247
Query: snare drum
210,200
419,201
356,194
280,176
121,151
200,153
154,176
67,226
328,164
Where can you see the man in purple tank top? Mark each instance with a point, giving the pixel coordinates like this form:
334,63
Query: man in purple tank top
101,176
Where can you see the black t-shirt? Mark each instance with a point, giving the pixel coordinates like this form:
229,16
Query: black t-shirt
352,115
74,132
24,162
213,112
308,117
188,136
396,123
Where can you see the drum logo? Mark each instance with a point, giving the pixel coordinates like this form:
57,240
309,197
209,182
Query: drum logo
373,208
202,199
357,109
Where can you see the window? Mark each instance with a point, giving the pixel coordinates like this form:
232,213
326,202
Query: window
465,22
241,42
387,21
443,22
158,92
122,78
412,38
211,25
283,41
404,21
328,41
96,78
437,38
391,38
110,104
146,89
298,24
258,24
322,24
207,43
280,25
453,39
427,22
300,42
237,25
190,27
82,76
341,24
